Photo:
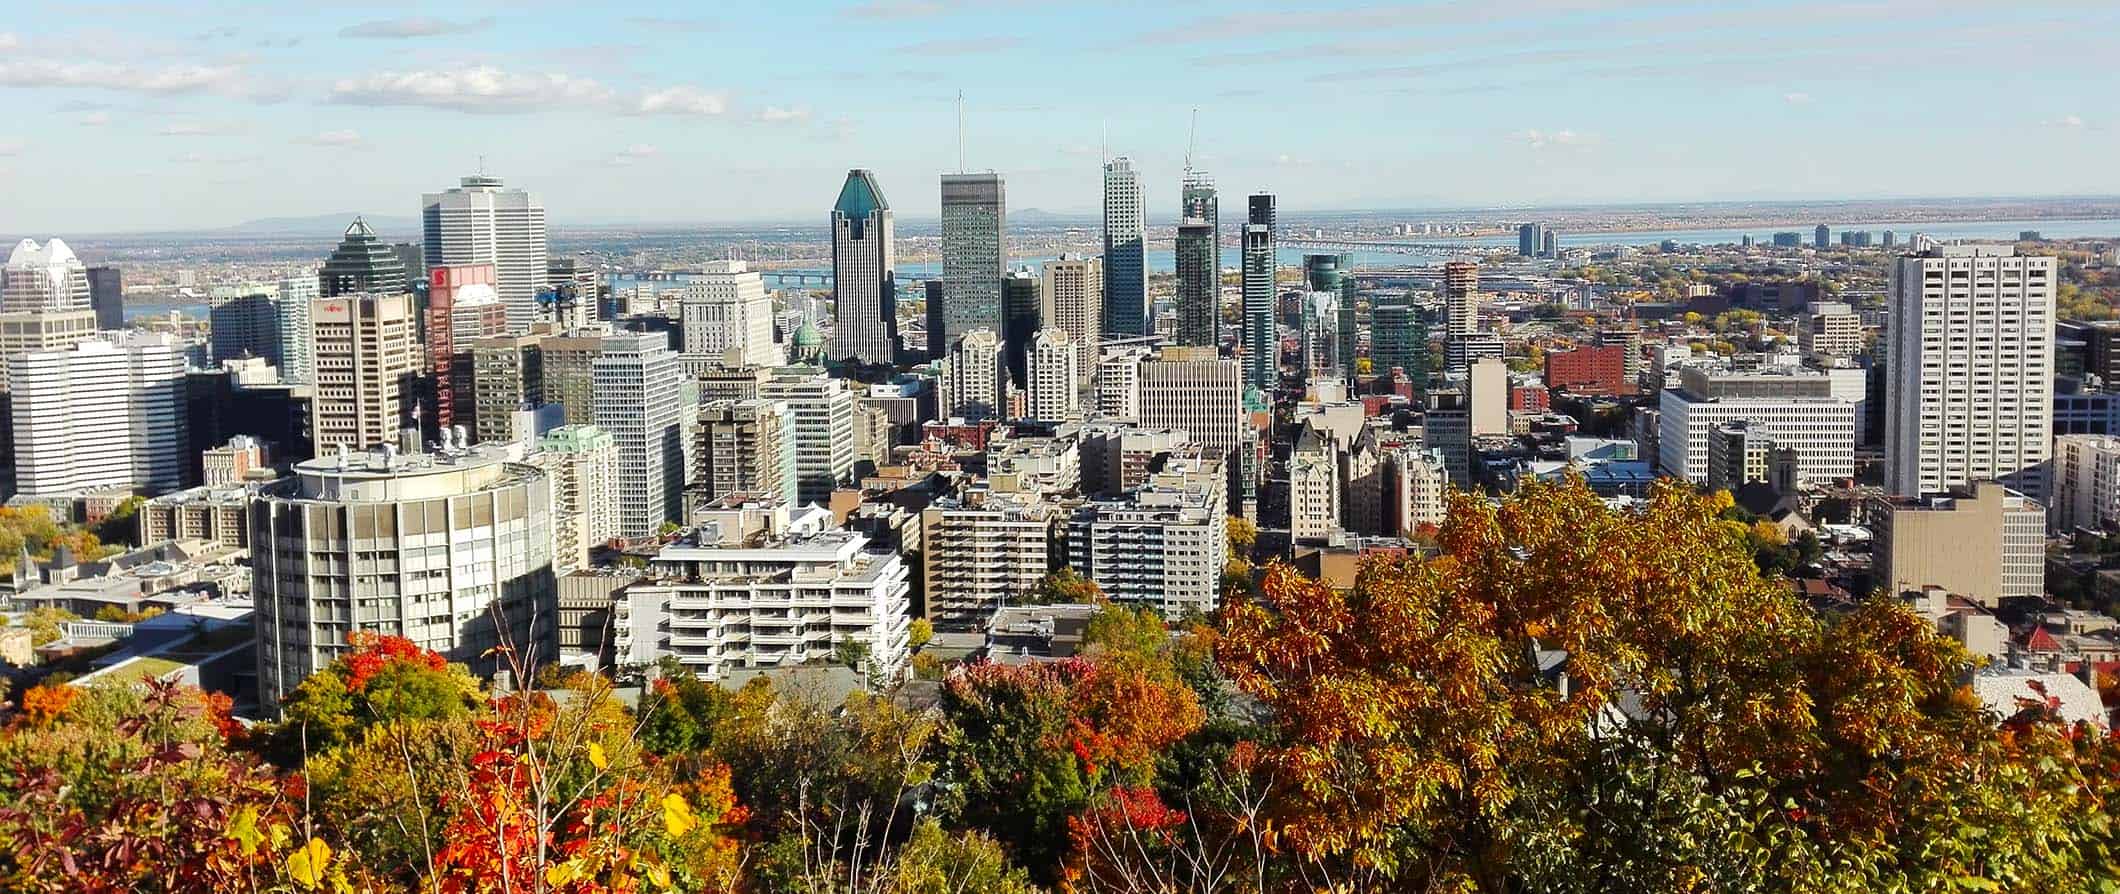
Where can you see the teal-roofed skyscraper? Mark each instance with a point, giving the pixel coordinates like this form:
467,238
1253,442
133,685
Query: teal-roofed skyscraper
864,297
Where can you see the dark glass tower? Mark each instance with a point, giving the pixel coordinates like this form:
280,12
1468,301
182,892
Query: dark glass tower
1125,280
362,263
1262,360
1199,284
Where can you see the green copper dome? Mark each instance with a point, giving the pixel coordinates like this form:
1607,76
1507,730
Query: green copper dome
807,336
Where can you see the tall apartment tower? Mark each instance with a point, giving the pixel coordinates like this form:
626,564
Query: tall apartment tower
1054,388
824,429
106,295
481,222
747,447
1195,391
1073,296
1461,297
100,414
1199,293
975,378
1970,397
864,293
582,463
296,293
637,380
1262,351
361,263
367,358
44,277
974,256
727,314
1125,278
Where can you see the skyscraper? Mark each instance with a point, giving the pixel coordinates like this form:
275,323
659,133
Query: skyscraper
746,447
1530,239
824,429
1125,282
1822,237
480,222
100,414
1971,340
1195,391
1398,338
974,256
106,294
1025,308
367,359
864,294
44,277
245,325
1199,290
296,292
582,462
1461,297
1262,350
361,263
637,378
1073,293
728,315
1196,201
451,289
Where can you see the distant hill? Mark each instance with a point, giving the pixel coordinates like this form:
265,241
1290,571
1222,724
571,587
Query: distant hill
390,227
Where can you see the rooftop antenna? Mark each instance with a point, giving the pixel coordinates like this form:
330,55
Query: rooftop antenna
1104,141
960,131
482,165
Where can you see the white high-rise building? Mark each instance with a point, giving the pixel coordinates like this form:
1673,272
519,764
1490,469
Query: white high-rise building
1794,407
824,428
727,310
975,377
1119,384
1055,386
988,549
100,414
480,222
637,380
43,277
1970,345
2086,482
297,351
582,463
1071,290
1161,545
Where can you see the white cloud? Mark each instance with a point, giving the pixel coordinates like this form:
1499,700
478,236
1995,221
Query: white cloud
335,138
172,79
413,26
481,88
2069,121
681,100
781,114
1796,98
9,41
197,129
1556,139
95,119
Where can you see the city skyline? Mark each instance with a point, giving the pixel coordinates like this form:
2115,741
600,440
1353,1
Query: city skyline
205,127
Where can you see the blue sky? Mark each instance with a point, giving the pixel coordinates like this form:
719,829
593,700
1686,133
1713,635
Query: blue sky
148,116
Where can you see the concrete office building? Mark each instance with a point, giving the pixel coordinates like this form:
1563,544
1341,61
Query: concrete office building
824,429
1163,544
1260,344
637,401
864,293
1313,487
452,551
745,447
1984,542
23,331
100,414
44,278
728,317
567,364
743,593
1833,330
1125,286
1794,407
507,375
1487,396
1970,398
1193,390
974,256
577,293
1073,297
367,362
479,221
1119,384
581,461
2086,482
1054,386
974,381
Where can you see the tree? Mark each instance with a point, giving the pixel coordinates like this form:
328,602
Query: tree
919,633
46,624
382,679
1067,586
1243,536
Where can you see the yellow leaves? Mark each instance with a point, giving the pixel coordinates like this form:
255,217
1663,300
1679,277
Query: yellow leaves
677,815
243,830
561,874
307,864
596,757
658,873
